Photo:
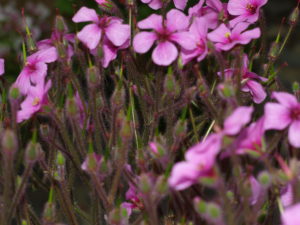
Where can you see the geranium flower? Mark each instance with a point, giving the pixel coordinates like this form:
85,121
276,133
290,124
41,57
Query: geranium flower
35,70
199,31
225,38
246,10
172,30
36,98
286,112
249,81
1,67
108,26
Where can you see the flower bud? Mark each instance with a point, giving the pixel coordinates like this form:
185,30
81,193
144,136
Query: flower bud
33,152
71,107
60,159
180,129
145,184
14,93
91,163
93,77
294,16
274,51
49,213
107,6
60,24
171,86
296,87
161,185
265,179
200,206
213,211
118,97
9,143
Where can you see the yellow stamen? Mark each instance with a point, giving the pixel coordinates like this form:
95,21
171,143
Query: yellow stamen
35,101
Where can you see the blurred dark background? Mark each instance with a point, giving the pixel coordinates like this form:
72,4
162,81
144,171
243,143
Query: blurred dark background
40,18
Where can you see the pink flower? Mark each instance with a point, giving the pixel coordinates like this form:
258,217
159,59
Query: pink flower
199,31
57,37
213,12
165,34
249,84
1,67
199,163
35,70
225,38
279,116
107,26
287,195
35,99
290,216
246,10
157,4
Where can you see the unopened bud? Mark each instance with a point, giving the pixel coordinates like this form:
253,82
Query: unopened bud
49,214
180,129
33,152
118,97
274,51
213,211
161,185
71,107
60,159
294,16
9,142
14,93
170,85
60,24
200,206
92,163
93,77
296,87
265,179
145,184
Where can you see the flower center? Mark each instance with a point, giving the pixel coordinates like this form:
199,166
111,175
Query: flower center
295,113
163,35
36,101
31,67
251,8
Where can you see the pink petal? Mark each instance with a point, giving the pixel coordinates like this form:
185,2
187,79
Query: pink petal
247,36
287,195
199,28
239,118
47,55
118,33
143,41
183,175
176,20
237,7
294,134
285,99
109,53
152,22
290,215
180,4
276,116
90,35
1,67
215,4
164,54
84,15
184,39
257,91
155,4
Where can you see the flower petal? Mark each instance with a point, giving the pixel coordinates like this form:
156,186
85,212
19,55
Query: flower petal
257,91
184,39
84,15
164,54
118,33
154,22
143,41
239,118
90,35
1,67
294,134
277,116
180,4
285,99
176,20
